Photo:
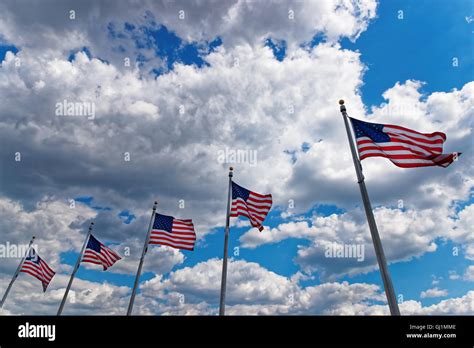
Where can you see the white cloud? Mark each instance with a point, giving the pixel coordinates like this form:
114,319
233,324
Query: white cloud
54,224
85,297
252,290
294,21
300,229
453,275
463,305
462,231
433,292
469,274
250,283
405,234
184,142
234,21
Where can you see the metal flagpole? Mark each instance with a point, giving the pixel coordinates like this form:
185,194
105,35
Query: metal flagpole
226,247
76,267
16,273
387,281
139,271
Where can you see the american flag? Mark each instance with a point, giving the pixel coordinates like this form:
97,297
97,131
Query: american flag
36,267
250,204
173,232
406,148
98,253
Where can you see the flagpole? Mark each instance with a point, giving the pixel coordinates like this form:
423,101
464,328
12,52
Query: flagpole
76,267
139,271
226,247
16,272
382,262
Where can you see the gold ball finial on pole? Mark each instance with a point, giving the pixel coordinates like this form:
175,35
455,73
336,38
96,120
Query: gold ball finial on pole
341,101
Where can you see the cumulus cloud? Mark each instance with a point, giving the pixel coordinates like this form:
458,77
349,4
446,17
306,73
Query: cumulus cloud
252,290
53,222
222,105
405,234
463,305
235,21
85,297
294,21
433,292
185,142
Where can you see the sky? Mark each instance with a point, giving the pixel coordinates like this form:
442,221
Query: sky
176,88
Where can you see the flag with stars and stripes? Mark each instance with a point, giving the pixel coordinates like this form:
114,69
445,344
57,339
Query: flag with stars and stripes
406,148
98,253
39,269
250,204
172,232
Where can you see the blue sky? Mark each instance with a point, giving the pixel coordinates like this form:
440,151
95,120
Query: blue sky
421,46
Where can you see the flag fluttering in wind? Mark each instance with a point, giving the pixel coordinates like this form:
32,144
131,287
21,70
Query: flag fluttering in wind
98,253
39,269
164,230
241,202
405,147
173,232
250,204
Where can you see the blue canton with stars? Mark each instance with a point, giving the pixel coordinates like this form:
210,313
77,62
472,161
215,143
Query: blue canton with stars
239,191
371,130
93,244
163,222
33,256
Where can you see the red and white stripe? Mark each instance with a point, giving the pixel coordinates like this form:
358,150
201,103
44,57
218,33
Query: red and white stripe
40,271
182,235
106,258
407,148
255,208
